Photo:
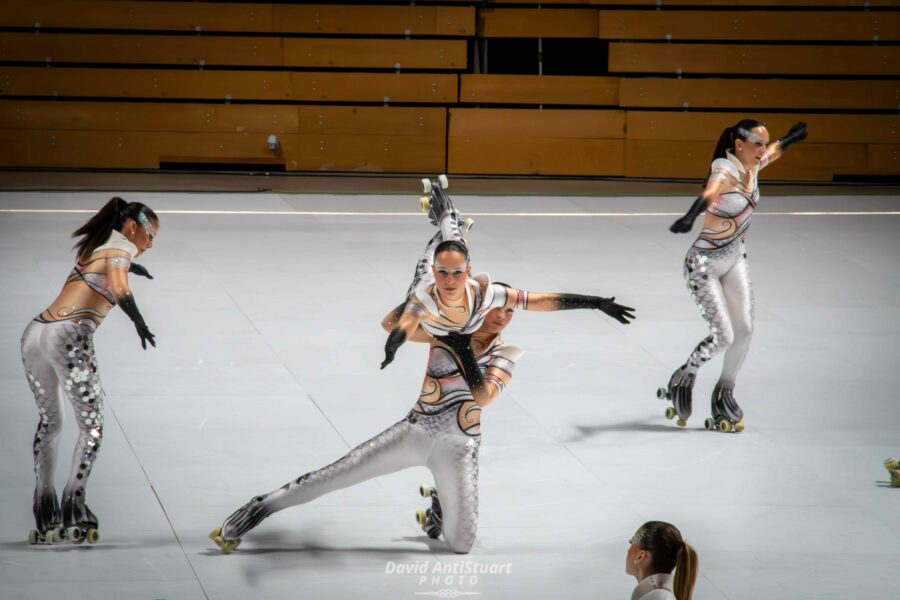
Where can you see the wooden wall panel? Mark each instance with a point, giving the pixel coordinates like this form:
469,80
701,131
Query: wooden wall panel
159,16
448,21
759,93
373,120
114,116
646,158
374,53
883,159
743,25
775,59
743,3
374,87
371,153
145,83
693,126
140,49
539,89
513,122
538,22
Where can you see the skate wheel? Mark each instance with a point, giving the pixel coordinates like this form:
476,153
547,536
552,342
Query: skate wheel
421,515
425,202
426,186
662,394
709,424
34,537
55,535
74,534
217,532
724,426
426,490
228,546
467,224
891,464
93,536
671,413
442,179
681,422
739,426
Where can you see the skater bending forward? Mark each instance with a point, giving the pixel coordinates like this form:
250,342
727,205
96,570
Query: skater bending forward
716,270
58,354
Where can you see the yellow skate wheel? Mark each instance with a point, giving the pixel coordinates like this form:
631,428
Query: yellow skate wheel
724,426
217,532
421,515
895,478
891,464
739,426
93,536
425,490
671,413
681,422
425,202
228,546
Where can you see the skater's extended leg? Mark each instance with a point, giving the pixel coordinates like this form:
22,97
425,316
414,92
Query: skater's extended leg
454,464
706,290
738,291
81,382
403,445
44,383
423,267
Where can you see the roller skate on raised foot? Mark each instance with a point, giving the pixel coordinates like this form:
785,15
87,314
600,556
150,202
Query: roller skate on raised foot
80,523
727,416
47,520
226,545
436,202
679,393
430,520
893,467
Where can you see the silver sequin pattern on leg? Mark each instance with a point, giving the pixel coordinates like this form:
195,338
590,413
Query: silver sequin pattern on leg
719,283
59,356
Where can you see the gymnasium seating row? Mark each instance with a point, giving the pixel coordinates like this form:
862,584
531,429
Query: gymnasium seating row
414,139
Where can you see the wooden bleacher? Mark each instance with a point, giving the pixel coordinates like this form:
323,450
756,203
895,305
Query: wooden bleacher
398,88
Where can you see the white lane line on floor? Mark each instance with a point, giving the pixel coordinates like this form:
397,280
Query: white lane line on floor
322,213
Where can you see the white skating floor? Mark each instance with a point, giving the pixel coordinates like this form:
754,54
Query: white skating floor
267,367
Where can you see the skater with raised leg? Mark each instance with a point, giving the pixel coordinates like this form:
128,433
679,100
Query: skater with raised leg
58,355
716,270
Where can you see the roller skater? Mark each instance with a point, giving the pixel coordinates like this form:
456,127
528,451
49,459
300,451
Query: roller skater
58,355
716,270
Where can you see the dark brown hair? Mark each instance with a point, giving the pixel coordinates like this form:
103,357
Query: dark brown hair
452,246
112,216
668,552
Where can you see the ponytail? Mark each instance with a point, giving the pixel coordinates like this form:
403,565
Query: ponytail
685,572
111,217
668,552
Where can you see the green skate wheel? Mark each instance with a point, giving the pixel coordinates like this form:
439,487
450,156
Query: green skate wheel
891,464
671,413
724,426
34,537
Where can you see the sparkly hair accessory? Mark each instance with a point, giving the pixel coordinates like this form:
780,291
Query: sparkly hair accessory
142,219
749,135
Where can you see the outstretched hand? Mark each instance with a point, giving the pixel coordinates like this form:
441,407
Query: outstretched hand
394,341
139,270
798,131
618,312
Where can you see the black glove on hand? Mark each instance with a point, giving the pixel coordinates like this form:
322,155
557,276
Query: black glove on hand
617,311
685,223
129,307
797,133
394,341
139,270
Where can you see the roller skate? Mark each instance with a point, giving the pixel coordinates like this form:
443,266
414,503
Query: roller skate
893,467
47,520
679,391
727,416
80,523
431,520
226,545
436,202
